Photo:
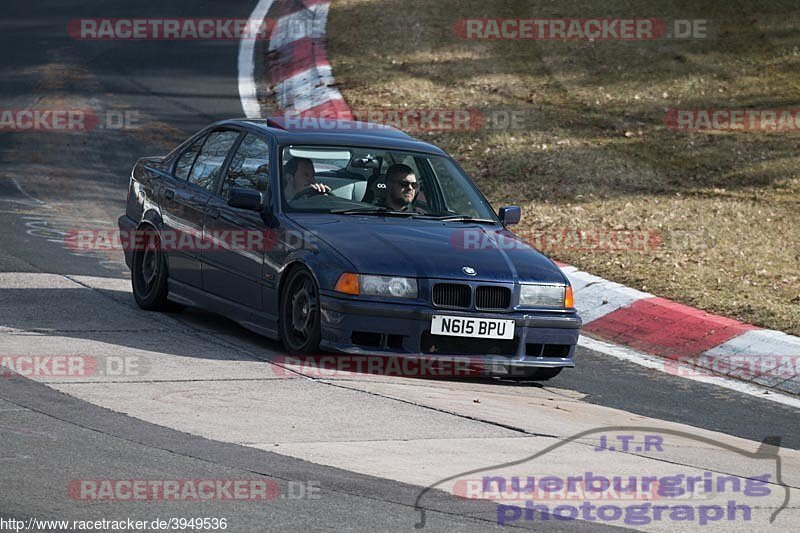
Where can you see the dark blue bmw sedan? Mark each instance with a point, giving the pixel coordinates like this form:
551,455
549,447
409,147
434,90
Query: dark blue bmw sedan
356,238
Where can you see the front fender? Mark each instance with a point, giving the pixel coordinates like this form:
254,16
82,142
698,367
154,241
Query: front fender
326,267
325,262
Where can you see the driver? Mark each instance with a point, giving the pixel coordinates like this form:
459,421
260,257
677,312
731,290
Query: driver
401,188
298,176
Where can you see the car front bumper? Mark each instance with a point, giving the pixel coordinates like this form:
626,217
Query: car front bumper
541,339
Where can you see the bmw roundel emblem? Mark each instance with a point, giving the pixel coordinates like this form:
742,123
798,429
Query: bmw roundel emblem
469,271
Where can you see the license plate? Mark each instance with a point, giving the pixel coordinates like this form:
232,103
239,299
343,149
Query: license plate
483,328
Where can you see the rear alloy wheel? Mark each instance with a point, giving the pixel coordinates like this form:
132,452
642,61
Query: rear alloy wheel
300,316
149,273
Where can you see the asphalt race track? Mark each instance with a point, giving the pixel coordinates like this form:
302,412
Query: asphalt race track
206,399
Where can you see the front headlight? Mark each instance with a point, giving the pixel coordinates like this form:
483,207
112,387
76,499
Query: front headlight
388,286
391,286
532,295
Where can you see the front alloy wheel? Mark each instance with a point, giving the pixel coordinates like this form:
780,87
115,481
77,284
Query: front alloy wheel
300,317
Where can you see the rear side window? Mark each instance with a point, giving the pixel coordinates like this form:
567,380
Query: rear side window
185,161
209,162
249,168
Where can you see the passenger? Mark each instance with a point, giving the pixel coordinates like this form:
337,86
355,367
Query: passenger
298,176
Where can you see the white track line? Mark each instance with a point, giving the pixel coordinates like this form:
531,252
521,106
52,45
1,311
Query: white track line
660,364
247,46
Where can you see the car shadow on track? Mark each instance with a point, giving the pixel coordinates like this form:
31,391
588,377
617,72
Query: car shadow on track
73,319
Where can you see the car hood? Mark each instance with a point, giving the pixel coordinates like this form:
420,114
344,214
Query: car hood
431,249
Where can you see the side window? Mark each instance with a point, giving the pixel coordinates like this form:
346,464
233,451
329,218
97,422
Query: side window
249,168
457,197
212,156
184,164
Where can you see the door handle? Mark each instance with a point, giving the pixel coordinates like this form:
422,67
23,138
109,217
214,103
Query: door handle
169,194
213,213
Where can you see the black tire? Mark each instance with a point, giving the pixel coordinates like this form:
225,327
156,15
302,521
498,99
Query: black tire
299,319
149,274
533,374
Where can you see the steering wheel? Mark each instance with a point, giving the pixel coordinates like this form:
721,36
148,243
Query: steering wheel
308,192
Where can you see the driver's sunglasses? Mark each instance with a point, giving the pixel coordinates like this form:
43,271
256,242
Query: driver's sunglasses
405,183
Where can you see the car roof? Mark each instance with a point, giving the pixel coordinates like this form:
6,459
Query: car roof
335,132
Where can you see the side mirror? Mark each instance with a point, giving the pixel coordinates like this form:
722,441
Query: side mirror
245,199
509,215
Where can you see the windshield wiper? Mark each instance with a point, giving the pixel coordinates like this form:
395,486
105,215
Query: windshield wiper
380,211
465,218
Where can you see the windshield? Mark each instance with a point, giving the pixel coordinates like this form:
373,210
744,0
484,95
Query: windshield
353,180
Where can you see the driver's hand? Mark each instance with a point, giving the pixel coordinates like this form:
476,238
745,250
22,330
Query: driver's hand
320,187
